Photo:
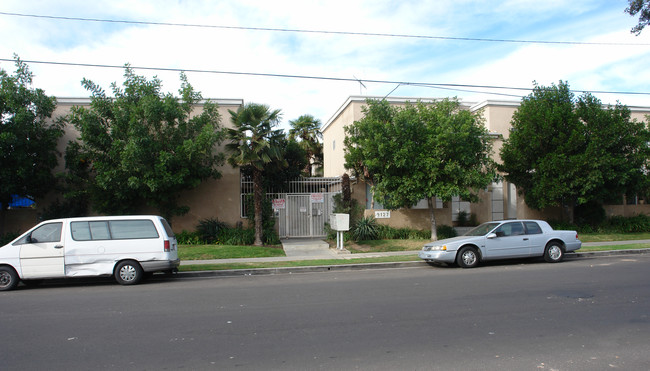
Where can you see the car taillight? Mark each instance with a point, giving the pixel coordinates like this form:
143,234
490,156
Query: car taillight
167,245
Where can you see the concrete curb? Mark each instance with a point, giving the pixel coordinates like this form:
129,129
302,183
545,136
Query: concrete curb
366,266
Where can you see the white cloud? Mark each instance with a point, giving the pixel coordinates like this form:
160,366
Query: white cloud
329,55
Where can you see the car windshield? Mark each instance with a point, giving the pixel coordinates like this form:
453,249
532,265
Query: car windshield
482,229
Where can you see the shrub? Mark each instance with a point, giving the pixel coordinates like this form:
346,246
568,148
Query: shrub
365,229
238,236
462,219
209,230
445,231
385,232
590,214
8,237
188,238
633,224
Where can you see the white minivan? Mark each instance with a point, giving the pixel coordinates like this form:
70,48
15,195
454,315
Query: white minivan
125,247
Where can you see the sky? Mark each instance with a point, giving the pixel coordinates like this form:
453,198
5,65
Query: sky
346,51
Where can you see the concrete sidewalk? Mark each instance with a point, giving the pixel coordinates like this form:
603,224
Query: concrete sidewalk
317,249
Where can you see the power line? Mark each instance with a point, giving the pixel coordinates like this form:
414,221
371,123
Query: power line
458,87
327,32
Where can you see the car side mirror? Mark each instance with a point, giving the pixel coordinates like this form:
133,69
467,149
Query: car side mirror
491,236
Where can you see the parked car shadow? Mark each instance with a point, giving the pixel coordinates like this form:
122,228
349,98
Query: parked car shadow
510,262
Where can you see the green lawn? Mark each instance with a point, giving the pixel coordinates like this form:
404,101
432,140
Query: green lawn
593,237
296,263
210,252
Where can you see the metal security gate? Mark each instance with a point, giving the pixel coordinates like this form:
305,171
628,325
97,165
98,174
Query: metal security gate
304,215
304,209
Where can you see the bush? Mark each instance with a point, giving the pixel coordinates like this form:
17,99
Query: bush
445,231
188,238
463,219
634,224
591,214
8,237
365,229
238,236
209,230
385,232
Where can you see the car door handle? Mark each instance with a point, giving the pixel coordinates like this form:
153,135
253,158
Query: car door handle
525,239
58,246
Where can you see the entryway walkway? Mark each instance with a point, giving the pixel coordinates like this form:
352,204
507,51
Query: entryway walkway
308,247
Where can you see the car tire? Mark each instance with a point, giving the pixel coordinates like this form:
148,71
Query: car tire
467,257
8,279
128,272
554,252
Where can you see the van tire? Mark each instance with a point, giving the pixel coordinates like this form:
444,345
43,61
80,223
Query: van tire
8,278
128,272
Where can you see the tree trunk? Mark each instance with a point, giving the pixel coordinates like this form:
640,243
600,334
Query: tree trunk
434,229
257,196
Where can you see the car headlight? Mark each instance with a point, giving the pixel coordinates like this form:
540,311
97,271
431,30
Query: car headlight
436,248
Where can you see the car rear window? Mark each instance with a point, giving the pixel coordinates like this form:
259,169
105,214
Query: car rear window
533,228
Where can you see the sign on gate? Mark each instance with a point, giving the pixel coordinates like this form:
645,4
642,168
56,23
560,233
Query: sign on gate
317,198
279,203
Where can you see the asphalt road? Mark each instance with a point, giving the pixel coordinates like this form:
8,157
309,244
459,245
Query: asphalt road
582,314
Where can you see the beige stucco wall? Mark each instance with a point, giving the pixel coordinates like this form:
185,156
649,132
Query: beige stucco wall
212,199
334,134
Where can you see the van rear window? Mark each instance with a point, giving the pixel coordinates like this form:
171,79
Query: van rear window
114,229
86,231
125,229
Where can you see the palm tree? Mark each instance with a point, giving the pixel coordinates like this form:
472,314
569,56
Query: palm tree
251,144
307,129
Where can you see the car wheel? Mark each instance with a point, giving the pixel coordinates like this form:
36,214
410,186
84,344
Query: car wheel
128,272
467,257
8,279
554,252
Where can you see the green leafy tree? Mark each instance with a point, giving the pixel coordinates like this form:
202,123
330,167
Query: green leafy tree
253,144
287,167
424,151
361,140
642,8
28,139
143,147
306,131
564,151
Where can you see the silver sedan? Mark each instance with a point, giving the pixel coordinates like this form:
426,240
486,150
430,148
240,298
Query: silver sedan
506,239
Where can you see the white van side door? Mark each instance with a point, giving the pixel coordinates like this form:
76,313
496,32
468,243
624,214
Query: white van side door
42,252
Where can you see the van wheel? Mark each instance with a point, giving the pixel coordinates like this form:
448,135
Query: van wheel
128,272
8,279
